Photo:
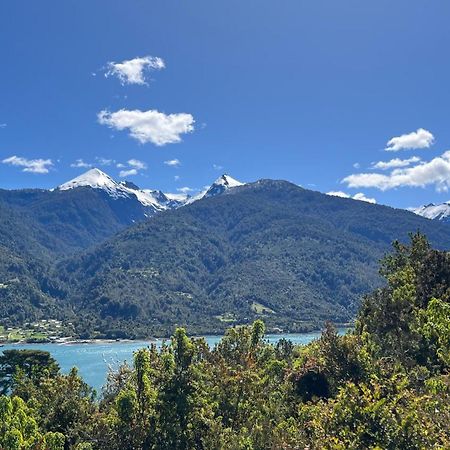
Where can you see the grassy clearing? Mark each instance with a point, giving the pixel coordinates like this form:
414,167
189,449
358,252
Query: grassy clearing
258,308
227,318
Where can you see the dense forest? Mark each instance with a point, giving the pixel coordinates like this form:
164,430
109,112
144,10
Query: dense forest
268,250
385,385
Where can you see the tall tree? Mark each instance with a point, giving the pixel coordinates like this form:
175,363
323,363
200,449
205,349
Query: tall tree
35,365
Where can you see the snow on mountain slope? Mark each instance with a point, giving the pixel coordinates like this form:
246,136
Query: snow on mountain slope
179,197
96,179
149,198
221,185
435,212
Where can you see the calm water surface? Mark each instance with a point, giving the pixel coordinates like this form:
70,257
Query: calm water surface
93,360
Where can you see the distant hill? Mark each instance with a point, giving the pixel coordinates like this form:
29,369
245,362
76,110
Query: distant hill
268,249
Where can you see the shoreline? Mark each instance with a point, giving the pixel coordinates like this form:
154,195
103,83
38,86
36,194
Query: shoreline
151,340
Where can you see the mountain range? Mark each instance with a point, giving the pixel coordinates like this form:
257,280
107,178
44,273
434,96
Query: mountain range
120,261
153,201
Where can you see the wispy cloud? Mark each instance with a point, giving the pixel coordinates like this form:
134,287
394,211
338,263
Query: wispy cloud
217,167
359,196
172,162
396,162
149,126
133,71
435,172
41,166
3,125
131,167
104,161
128,173
417,139
80,163
136,164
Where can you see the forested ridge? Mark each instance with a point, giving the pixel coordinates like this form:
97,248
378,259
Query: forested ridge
385,385
268,250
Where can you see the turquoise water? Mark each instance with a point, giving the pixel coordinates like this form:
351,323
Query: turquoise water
93,360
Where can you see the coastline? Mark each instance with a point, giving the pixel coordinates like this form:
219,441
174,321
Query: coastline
71,341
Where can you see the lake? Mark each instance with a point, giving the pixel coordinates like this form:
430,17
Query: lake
94,359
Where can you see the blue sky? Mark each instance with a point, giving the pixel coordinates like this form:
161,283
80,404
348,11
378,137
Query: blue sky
307,91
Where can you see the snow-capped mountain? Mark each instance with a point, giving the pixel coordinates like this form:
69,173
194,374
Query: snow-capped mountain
221,185
435,212
152,200
96,179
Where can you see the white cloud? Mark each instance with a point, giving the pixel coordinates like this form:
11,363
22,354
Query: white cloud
133,71
172,162
136,164
104,161
357,165
30,165
127,173
359,196
217,167
338,194
149,126
176,177
396,162
132,167
435,172
417,139
3,125
80,163
363,198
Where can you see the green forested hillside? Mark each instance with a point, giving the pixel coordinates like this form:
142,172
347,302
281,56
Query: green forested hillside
269,249
76,218
37,227
385,385
25,260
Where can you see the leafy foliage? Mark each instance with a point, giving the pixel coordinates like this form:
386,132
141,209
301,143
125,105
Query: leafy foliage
386,385
34,365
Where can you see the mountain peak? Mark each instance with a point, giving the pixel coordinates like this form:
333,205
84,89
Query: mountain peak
227,181
434,212
222,184
94,178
